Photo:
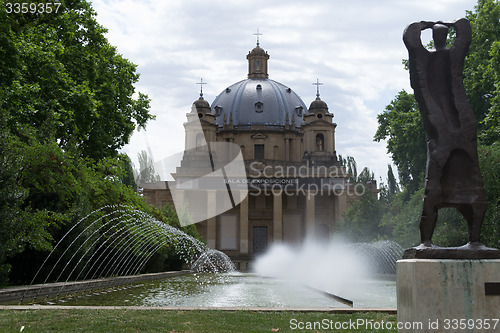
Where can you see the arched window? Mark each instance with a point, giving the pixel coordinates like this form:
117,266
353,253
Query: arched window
320,142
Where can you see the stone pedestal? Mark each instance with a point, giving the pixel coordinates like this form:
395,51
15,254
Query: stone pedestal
443,295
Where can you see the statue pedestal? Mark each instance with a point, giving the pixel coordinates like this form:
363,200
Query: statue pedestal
445,295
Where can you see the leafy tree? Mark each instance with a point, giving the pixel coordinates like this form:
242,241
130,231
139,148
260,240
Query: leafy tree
11,197
402,218
54,196
350,164
482,68
489,160
362,220
392,184
401,125
127,176
146,173
389,191
66,82
365,176
352,170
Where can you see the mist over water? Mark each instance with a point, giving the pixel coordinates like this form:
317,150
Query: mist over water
328,266
361,272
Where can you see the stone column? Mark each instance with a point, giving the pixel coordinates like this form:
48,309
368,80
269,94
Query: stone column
244,224
287,149
310,214
329,145
277,217
211,221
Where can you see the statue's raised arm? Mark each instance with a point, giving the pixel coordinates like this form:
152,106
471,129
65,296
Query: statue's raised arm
416,51
411,35
461,45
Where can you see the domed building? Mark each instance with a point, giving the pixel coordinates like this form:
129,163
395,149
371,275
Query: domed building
295,187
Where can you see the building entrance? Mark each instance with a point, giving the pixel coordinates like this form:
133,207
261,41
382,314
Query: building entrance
259,240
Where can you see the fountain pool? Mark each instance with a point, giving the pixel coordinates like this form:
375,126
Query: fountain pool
234,289
312,275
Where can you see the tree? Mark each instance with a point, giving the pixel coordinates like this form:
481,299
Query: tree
11,197
362,220
389,191
391,182
489,160
146,173
365,176
127,177
482,69
64,81
401,125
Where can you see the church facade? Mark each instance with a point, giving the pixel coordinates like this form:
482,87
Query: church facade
295,187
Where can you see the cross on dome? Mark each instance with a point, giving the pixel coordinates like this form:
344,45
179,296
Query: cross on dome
317,84
257,34
201,83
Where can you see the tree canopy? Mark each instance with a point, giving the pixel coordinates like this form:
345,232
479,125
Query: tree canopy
482,69
61,80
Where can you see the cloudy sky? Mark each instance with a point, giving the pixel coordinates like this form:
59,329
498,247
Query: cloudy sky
353,47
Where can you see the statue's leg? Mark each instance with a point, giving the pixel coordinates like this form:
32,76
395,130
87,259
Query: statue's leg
474,214
428,218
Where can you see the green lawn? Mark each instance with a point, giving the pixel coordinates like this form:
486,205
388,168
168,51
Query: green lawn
129,320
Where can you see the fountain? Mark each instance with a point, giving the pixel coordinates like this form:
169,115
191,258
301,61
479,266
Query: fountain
381,256
213,261
310,276
352,271
109,246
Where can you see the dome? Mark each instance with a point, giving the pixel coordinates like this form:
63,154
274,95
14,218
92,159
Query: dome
258,51
258,101
318,105
200,103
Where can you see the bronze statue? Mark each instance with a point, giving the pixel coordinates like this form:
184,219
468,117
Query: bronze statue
453,178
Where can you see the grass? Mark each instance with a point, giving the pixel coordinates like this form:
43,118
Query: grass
154,320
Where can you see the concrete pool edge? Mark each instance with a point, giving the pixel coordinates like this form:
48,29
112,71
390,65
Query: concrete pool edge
49,289
171,308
